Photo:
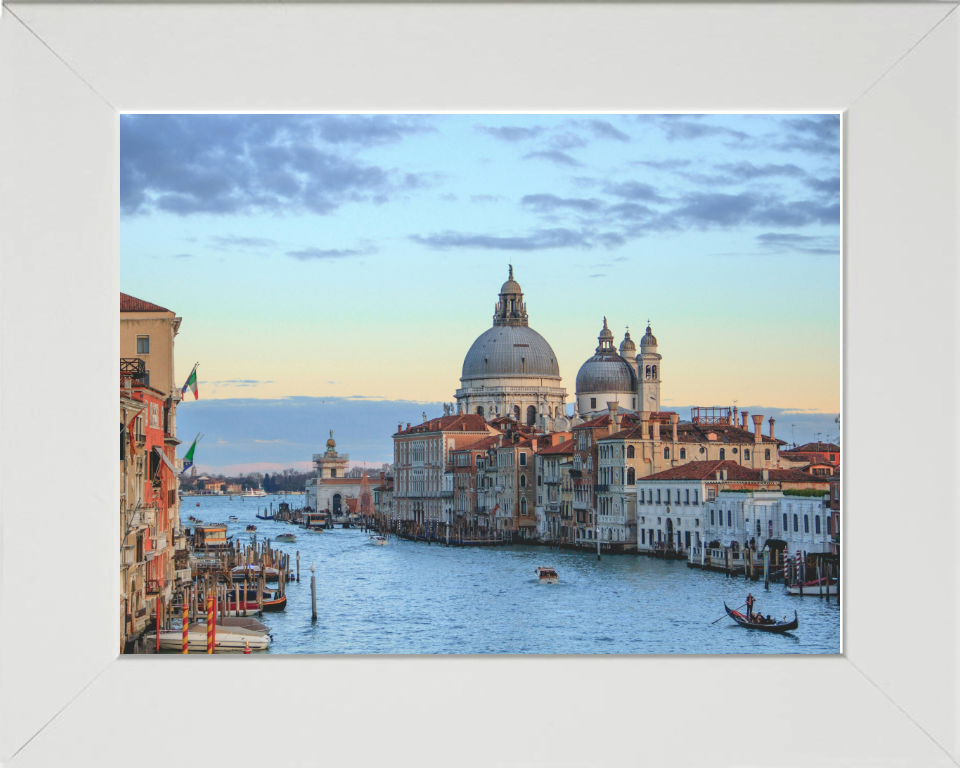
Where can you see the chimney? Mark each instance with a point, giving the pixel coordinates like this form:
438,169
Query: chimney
744,419
400,426
734,422
533,445
765,475
424,417
408,425
771,427
614,410
656,430
674,419
757,422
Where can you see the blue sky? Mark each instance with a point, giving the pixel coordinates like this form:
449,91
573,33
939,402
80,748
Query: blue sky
352,259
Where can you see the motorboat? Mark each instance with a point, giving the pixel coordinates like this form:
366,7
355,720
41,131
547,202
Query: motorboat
237,601
252,572
285,537
547,575
378,540
256,493
234,518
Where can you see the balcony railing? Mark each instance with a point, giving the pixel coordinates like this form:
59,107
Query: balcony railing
602,488
551,479
153,587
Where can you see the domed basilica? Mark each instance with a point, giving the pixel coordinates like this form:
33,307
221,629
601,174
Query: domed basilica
511,370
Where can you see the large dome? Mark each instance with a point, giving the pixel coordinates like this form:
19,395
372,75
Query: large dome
606,371
510,350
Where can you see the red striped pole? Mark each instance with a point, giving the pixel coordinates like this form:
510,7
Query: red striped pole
209,623
186,620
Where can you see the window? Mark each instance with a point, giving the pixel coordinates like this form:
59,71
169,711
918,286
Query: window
523,506
796,524
712,521
723,454
154,416
695,500
683,453
666,453
658,495
631,453
523,459
766,454
333,472
784,521
833,457
829,526
758,528
631,476
643,535
523,481
143,345
806,523
146,378
593,403
746,454
816,523
729,519
686,499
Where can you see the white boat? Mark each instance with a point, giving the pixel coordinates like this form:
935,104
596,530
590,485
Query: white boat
814,588
257,492
226,639
380,541
547,576
285,537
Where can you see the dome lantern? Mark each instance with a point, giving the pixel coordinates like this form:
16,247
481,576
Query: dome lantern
510,310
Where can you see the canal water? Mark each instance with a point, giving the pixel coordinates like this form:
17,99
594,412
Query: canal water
411,597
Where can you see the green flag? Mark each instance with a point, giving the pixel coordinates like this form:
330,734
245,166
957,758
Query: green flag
191,384
188,458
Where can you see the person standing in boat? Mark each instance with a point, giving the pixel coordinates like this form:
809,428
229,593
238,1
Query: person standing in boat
750,616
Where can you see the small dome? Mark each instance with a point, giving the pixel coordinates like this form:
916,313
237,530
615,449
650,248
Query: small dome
627,348
606,372
511,286
648,340
606,334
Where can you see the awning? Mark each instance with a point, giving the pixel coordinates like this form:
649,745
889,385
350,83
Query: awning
166,461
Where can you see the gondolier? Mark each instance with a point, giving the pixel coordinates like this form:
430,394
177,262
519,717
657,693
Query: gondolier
750,606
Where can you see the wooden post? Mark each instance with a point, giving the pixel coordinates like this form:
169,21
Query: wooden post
298,565
819,581
313,592
766,568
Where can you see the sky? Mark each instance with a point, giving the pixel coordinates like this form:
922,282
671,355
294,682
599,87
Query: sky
333,270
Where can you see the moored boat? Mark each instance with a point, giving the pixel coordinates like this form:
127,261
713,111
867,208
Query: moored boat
814,588
272,601
378,540
547,576
252,572
225,639
777,627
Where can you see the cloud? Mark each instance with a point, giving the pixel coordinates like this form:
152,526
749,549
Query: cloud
725,210
486,198
511,133
567,140
597,275
228,164
818,134
663,165
554,156
545,203
692,127
236,383
183,256
537,240
601,129
829,186
449,197
634,190
225,242
781,242
321,254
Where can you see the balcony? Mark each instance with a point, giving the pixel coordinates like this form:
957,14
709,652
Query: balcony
602,488
153,587
158,543
581,504
551,479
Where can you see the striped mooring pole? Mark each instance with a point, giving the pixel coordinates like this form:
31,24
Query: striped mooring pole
186,621
209,623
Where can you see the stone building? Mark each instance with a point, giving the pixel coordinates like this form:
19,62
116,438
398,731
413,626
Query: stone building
511,370
555,491
331,490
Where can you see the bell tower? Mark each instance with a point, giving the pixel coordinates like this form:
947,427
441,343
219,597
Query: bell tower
648,373
511,309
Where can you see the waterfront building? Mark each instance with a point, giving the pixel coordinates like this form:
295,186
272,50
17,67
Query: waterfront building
816,458
383,496
515,485
672,506
421,456
331,488
786,519
511,370
468,465
153,547
555,491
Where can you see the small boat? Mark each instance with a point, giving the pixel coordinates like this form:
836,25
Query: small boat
548,576
251,527
380,541
225,639
286,537
258,493
234,518
815,588
778,627
252,572
272,601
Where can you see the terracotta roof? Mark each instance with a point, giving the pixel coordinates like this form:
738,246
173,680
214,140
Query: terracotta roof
481,445
810,458
465,422
706,470
819,447
603,421
130,303
560,448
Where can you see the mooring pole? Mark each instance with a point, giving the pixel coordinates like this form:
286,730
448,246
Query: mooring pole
313,591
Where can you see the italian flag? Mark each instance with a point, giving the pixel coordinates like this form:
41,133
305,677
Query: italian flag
191,384
188,458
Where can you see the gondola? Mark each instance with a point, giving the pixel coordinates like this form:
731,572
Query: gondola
779,627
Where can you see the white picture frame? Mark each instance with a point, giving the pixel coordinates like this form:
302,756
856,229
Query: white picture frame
68,70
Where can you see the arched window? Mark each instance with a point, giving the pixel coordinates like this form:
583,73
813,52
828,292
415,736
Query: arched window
654,371
806,523
784,521
683,453
723,454
632,476
631,453
523,481
531,415
758,527
816,523
523,506
712,521
796,524
766,454
648,371
480,411
666,453
516,412
746,454
729,519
